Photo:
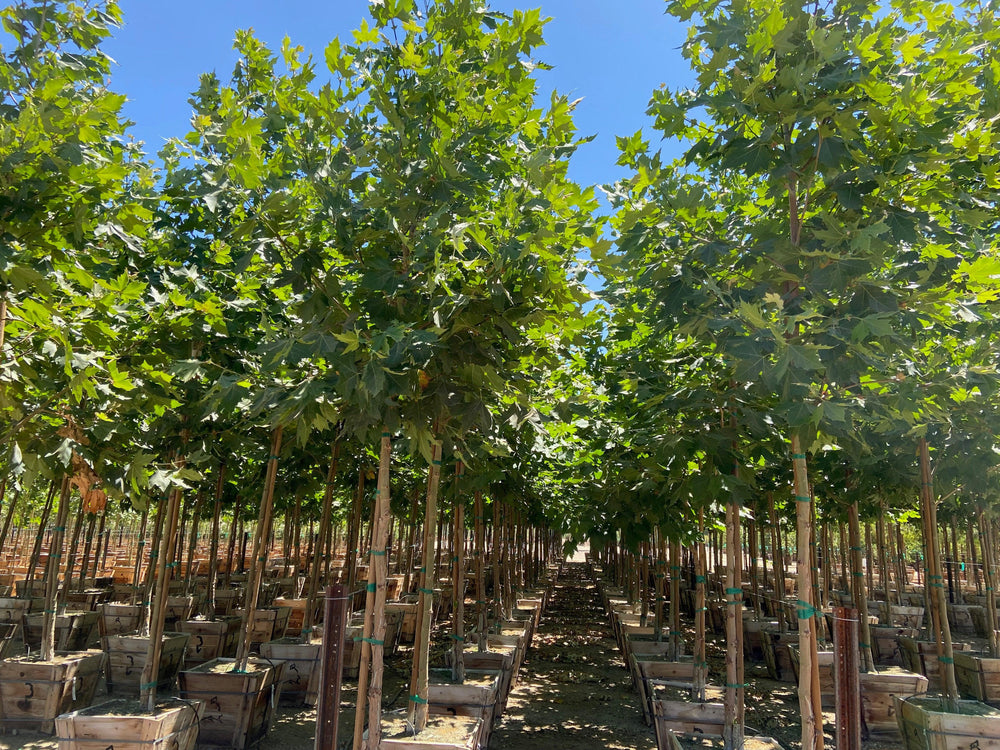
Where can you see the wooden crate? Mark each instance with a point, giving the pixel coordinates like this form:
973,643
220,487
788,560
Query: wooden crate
239,706
922,657
824,663
296,614
978,677
879,691
926,725
87,601
300,681
34,692
477,701
407,611
686,717
268,624
173,725
885,644
179,609
75,631
119,619
442,733
903,616
211,639
127,659
653,673
962,618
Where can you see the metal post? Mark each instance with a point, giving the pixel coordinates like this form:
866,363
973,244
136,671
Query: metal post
328,710
847,678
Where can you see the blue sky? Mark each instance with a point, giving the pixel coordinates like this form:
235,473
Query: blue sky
612,54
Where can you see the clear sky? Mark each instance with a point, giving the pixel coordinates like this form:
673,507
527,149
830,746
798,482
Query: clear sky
613,53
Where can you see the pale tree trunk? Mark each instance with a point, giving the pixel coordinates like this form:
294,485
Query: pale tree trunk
378,567
213,545
935,580
147,686
419,675
858,589
809,699
700,581
458,585
52,573
481,616
733,728
259,550
986,541
324,527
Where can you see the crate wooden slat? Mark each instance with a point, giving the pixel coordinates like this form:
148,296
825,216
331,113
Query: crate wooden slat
34,692
174,725
300,680
127,659
926,725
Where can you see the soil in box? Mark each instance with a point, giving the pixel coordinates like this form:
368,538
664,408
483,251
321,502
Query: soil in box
442,733
124,725
239,706
34,692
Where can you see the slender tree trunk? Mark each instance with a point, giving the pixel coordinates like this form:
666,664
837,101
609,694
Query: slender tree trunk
213,544
458,583
154,553
481,615
312,593
8,518
52,573
168,541
378,572
809,699
419,676
858,585
74,545
946,653
989,574
700,581
733,728
233,532
259,552
192,543
676,642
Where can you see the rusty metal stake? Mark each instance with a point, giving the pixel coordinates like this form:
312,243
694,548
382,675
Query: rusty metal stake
328,710
847,678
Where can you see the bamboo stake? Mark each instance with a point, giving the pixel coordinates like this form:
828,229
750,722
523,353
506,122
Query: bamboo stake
676,644
326,514
700,579
858,589
213,546
481,615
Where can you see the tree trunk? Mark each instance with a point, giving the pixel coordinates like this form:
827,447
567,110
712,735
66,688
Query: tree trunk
213,545
481,615
935,586
312,593
378,572
809,699
859,594
52,573
421,646
700,581
733,728
458,584
259,551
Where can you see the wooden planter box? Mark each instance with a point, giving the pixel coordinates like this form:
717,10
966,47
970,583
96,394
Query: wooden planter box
34,692
962,618
12,611
978,677
300,681
8,632
75,631
900,616
211,639
442,733
922,657
89,600
926,724
824,663
296,615
476,698
352,651
978,621
239,706
885,644
777,655
499,661
686,717
668,673
407,613
127,659
119,619
879,691
268,624
226,600
179,609
173,726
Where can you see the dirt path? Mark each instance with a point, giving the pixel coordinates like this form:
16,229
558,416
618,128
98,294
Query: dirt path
574,690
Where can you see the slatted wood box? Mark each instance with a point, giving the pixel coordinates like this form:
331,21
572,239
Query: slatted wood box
34,692
173,725
926,724
127,659
442,733
300,679
879,691
239,706
211,639
978,677
119,619
75,631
